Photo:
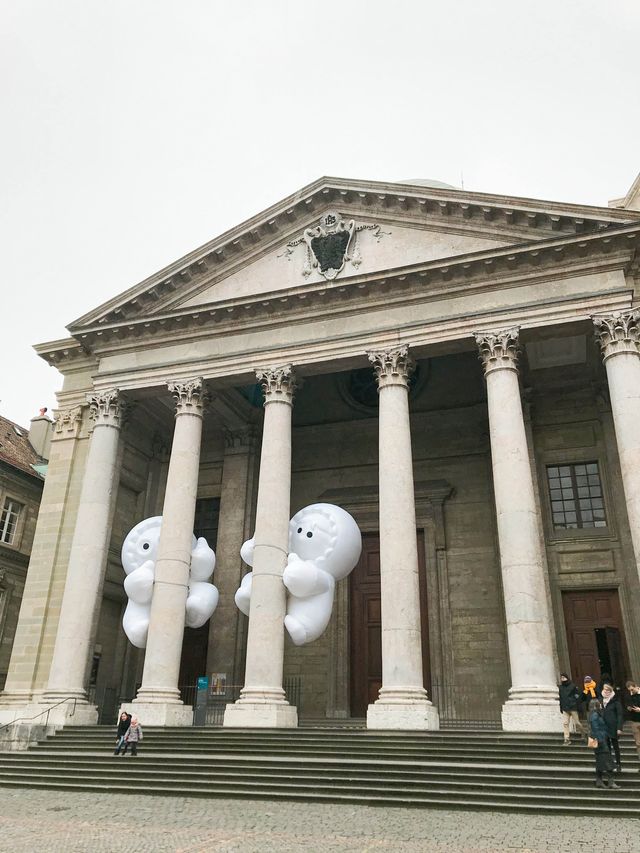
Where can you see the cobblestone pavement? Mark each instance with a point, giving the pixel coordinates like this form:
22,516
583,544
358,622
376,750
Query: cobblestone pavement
34,821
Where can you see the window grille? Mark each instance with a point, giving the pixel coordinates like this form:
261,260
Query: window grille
9,520
576,496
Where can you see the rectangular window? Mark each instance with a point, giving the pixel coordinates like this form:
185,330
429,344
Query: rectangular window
206,520
9,520
576,496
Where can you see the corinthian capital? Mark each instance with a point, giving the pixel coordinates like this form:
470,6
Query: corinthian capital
67,422
106,408
618,332
279,384
499,350
392,366
190,396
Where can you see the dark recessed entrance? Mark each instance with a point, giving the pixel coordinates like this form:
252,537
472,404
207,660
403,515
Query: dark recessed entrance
595,635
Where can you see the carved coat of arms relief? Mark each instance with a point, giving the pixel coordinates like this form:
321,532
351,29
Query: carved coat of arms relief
331,244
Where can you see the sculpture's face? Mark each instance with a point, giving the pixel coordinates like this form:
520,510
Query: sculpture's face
310,534
141,544
328,535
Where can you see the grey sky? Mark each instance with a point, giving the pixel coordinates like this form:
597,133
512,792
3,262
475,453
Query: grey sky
135,131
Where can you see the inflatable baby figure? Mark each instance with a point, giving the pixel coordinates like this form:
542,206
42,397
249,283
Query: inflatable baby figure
324,547
139,554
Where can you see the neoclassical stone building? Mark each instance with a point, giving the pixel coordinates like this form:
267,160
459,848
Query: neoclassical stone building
458,370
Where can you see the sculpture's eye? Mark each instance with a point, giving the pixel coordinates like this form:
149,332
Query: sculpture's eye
309,535
299,530
146,546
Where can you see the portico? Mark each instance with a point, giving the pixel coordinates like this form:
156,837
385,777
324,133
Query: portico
394,388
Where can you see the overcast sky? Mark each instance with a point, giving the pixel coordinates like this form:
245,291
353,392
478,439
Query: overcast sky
133,132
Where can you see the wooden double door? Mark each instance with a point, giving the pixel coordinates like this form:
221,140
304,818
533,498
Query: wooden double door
366,624
595,635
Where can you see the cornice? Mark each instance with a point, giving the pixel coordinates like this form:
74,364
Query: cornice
255,236
492,268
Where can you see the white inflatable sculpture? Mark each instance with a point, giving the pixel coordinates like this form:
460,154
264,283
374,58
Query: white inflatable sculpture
324,547
139,554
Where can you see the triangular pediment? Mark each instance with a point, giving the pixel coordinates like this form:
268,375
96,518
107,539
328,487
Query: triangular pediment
394,225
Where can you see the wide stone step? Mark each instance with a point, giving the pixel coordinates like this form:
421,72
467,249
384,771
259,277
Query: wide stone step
608,805
468,770
567,756
190,778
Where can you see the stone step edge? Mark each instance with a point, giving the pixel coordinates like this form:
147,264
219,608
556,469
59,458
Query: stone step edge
485,786
614,810
313,759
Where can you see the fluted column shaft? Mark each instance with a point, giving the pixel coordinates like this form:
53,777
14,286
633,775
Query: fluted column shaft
532,703
402,701
88,556
171,585
262,701
619,338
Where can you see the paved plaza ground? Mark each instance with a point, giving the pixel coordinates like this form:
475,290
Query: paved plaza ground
34,821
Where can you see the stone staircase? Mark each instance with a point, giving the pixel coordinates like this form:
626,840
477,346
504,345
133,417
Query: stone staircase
447,769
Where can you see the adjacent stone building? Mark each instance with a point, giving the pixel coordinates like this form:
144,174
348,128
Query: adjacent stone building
458,370
23,455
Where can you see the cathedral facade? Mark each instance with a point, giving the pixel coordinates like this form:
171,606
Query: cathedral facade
459,371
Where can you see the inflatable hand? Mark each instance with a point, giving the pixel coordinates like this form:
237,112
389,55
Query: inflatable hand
303,578
139,584
243,594
201,602
246,552
203,561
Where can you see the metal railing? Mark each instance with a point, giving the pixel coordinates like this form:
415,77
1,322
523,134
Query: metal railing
42,713
216,703
479,709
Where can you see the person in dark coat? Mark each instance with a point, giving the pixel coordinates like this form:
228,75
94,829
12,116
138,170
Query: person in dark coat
602,754
123,727
569,701
613,716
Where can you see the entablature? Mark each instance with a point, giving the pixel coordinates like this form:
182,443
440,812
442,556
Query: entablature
490,269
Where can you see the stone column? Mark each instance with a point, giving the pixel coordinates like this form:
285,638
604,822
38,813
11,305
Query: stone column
233,530
262,700
403,701
158,701
533,697
619,337
87,562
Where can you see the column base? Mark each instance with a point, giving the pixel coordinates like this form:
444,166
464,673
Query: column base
532,714
261,715
159,713
35,714
15,697
403,716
